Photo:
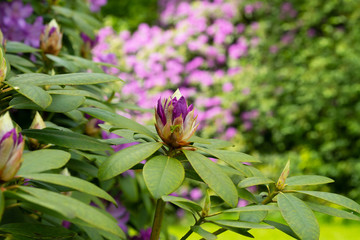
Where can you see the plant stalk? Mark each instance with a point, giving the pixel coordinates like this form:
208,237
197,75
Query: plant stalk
159,214
270,197
198,222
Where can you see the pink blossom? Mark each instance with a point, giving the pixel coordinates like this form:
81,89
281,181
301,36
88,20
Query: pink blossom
227,87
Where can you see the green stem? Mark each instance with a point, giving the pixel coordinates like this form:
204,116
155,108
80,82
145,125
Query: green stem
159,214
198,222
270,198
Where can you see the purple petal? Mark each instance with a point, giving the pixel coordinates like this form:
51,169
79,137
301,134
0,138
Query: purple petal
180,108
8,134
160,111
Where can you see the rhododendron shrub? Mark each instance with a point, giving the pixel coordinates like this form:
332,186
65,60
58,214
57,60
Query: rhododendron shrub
197,49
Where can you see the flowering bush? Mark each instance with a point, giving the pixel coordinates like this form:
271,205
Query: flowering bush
263,75
197,51
65,175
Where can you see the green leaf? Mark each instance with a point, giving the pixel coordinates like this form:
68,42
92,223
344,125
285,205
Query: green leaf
190,205
2,204
197,139
307,180
282,227
252,181
213,176
18,47
255,217
62,62
60,103
332,211
43,160
118,121
84,63
84,26
44,202
238,224
210,143
15,59
202,232
254,208
163,175
37,231
126,159
299,216
247,195
36,94
62,79
89,215
66,139
73,92
334,198
230,157
71,182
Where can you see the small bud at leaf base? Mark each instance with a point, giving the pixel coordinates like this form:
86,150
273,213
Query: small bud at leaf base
51,38
37,123
175,121
280,185
207,204
11,148
3,67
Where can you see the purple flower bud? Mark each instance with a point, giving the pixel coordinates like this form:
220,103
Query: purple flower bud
175,121
11,148
51,38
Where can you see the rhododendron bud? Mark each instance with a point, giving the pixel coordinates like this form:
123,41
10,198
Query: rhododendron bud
37,123
51,38
175,121
11,148
2,66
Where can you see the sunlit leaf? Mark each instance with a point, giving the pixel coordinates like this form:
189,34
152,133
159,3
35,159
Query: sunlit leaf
307,180
213,176
43,160
118,121
71,182
252,181
332,211
299,216
202,232
163,175
66,139
126,159
334,198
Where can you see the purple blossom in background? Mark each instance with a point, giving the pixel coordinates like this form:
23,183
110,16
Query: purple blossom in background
119,147
14,25
196,194
95,5
144,234
87,40
195,48
311,33
120,214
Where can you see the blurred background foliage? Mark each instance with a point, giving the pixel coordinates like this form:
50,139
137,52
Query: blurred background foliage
301,83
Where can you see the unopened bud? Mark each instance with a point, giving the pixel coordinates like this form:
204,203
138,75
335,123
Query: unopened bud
175,121
11,149
3,67
280,185
37,123
51,38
